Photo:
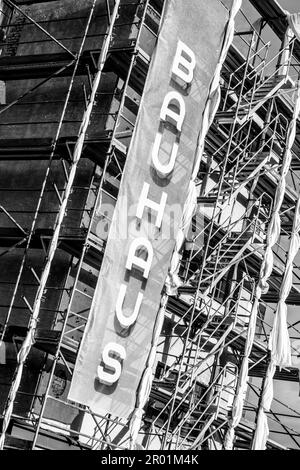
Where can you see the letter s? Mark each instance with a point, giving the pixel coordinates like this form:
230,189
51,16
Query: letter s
111,349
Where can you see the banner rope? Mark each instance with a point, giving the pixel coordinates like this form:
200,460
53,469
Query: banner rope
173,282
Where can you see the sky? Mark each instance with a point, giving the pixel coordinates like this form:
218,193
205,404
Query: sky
293,6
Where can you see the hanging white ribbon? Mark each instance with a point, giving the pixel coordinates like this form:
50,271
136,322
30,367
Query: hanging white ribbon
294,23
279,341
147,378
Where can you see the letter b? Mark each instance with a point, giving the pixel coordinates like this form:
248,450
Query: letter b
184,63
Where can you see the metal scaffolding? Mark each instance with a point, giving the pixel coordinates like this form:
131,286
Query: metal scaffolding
70,89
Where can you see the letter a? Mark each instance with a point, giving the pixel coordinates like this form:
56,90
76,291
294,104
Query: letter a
136,260
178,117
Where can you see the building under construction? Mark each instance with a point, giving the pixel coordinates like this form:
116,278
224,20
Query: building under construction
215,367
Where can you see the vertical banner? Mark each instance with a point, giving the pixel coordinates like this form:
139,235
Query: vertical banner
154,187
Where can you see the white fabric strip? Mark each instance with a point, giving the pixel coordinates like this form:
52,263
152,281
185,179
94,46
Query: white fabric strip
294,23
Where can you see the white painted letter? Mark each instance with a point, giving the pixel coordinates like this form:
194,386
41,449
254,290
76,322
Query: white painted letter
111,349
166,169
166,111
135,260
124,321
145,202
184,67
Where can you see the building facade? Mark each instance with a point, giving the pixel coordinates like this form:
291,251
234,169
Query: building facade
214,364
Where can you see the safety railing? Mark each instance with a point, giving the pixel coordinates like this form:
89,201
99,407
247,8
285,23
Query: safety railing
231,313
259,80
185,398
249,72
230,228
